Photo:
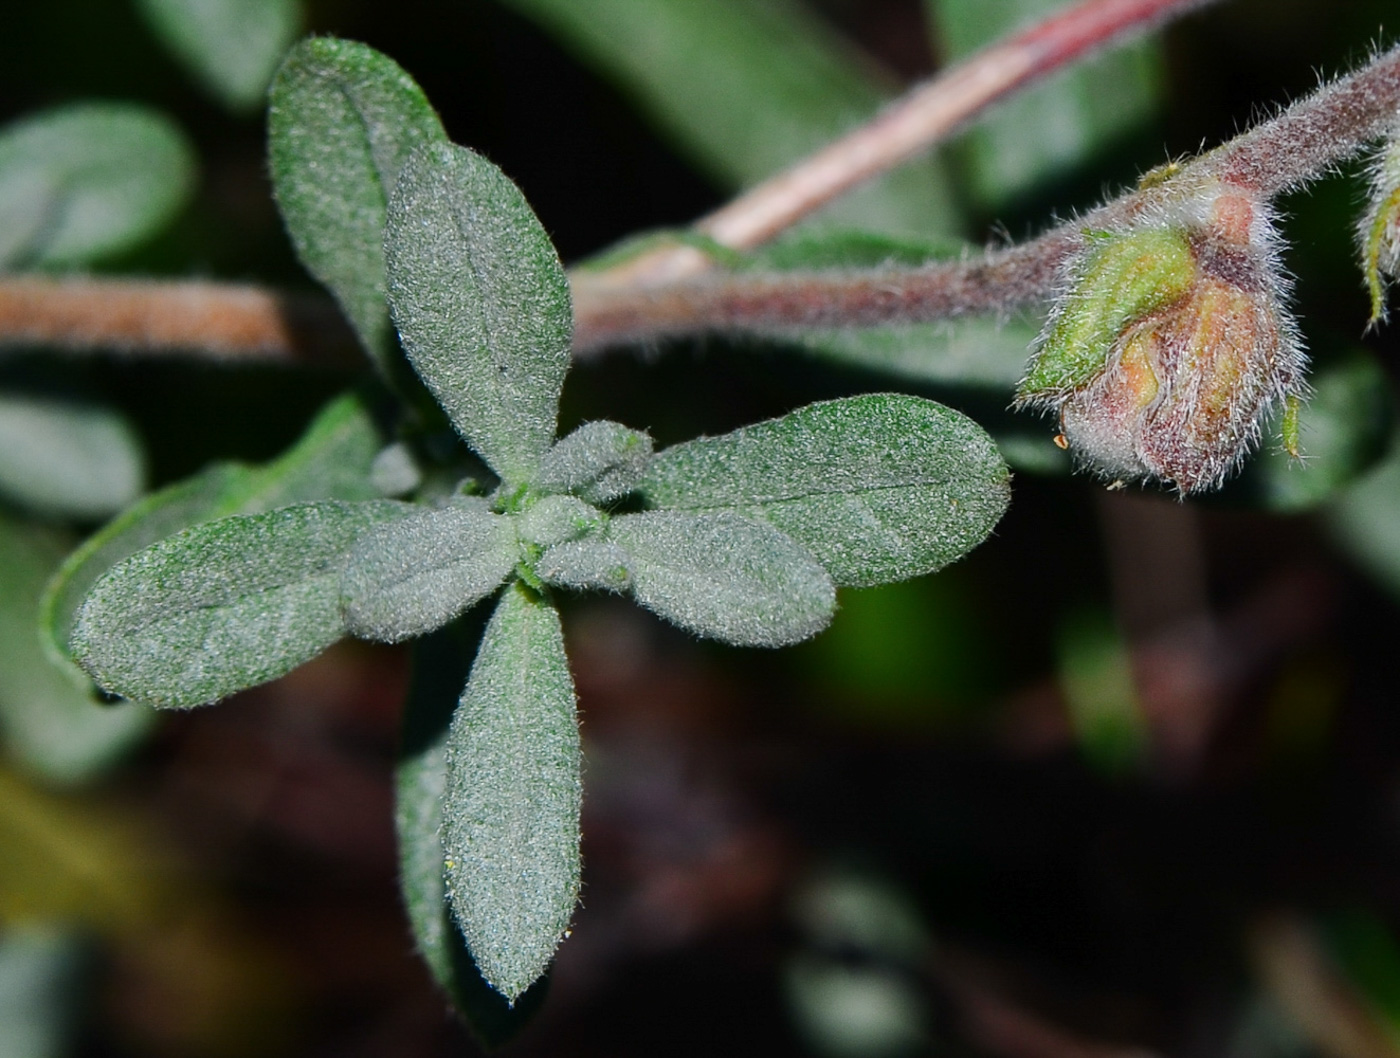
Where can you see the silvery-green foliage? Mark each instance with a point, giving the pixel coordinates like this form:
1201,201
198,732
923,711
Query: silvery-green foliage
81,181
342,120
592,564
481,303
599,462
224,605
510,829
69,459
232,46
331,461
725,576
412,575
553,519
878,487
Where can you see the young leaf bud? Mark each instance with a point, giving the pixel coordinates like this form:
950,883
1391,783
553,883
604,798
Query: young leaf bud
1169,344
1380,227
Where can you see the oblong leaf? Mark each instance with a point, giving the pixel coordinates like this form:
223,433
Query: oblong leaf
440,663
342,120
878,487
89,179
66,458
331,461
231,46
600,461
413,575
725,576
510,828
481,303
224,605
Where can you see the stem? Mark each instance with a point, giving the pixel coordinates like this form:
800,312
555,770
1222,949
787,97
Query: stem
1301,144
223,321
927,114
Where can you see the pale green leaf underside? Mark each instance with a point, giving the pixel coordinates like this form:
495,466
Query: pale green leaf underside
724,576
48,719
878,487
224,605
231,46
511,817
481,303
82,181
331,461
342,120
63,458
415,574
745,88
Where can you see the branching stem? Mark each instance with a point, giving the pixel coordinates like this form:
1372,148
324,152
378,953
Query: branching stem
1286,152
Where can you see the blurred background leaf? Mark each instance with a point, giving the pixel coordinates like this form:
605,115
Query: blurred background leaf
88,179
50,721
231,47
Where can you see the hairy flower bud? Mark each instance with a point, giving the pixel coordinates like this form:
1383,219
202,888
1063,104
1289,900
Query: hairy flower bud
1380,227
1170,345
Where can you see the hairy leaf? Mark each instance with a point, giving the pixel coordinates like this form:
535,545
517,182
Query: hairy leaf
482,304
878,487
724,576
63,458
49,719
553,519
232,46
342,120
510,827
440,663
746,87
415,574
81,181
599,462
1056,125
331,461
224,605
592,564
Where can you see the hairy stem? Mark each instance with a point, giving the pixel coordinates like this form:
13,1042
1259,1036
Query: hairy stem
927,114
1299,145
220,321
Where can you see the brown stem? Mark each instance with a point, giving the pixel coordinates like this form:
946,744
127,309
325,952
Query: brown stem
1300,145
222,321
927,114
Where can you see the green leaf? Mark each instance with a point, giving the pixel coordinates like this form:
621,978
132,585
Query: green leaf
49,719
599,462
1343,430
439,670
510,828
224,605
63,458
878,487
82,181
415,574
231,46
331,461
722,575
1058,124
342,120
42,971
481,303
982,353
554,519
745,88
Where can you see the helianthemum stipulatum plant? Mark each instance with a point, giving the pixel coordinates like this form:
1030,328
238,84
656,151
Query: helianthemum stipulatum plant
742,538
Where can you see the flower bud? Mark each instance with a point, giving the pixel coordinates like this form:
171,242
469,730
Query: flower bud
1170,346
1380,227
